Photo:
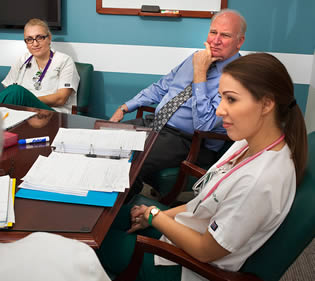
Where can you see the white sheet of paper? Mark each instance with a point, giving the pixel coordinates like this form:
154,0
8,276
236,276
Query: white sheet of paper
4,197
11,215
76,174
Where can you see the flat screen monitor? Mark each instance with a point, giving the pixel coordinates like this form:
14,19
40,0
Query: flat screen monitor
15,13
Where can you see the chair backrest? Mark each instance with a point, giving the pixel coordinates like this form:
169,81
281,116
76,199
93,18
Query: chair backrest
298,229
85,71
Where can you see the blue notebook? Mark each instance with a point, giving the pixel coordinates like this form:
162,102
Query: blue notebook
94,198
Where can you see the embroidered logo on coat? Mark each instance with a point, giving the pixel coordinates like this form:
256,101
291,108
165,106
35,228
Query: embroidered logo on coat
214,226
67,85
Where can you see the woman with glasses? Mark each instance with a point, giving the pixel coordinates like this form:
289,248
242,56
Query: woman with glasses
41,78
244,197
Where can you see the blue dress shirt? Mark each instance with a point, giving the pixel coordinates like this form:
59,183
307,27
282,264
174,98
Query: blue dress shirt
198,112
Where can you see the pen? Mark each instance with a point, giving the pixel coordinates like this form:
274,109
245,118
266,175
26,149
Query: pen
5,115
102,156
33,140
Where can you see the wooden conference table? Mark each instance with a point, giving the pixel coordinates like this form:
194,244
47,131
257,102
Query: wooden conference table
88,224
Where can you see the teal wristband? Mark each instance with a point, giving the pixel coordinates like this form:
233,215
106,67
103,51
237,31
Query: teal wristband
153,212
150,219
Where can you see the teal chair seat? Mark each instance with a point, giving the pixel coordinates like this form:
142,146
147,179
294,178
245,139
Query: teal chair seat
85,71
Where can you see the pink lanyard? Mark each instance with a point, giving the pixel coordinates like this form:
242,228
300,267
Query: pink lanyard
239,165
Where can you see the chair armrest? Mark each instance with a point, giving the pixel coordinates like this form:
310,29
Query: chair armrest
192,169
115,125
79,109
142,109
171,252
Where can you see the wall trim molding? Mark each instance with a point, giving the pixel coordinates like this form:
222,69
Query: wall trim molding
143,59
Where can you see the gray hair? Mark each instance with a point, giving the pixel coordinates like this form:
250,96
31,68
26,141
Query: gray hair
243,24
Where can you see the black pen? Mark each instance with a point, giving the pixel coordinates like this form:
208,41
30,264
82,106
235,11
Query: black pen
102,156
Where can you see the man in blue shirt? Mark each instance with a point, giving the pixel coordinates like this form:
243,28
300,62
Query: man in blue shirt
225,38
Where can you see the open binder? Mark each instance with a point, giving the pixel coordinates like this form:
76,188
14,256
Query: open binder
116,143
104,177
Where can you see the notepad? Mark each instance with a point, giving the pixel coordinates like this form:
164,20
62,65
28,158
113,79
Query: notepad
7,193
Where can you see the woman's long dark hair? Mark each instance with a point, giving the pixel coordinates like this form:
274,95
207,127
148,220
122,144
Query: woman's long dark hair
263,75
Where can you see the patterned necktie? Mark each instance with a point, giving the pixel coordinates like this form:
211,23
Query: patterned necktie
170,107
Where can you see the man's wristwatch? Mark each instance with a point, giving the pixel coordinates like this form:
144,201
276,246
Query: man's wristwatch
123,110
153,212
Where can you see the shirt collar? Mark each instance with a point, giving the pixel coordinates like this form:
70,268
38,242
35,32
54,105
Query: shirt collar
221,64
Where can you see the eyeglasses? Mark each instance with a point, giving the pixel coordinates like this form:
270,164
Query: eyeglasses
38,38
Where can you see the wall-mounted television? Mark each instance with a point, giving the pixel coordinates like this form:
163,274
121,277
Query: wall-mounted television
15,13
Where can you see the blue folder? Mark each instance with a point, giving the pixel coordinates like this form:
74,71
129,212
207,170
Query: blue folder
94,198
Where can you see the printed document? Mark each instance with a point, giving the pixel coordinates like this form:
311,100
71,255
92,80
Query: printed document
77,174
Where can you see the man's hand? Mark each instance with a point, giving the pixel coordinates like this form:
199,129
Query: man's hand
119,114
201,63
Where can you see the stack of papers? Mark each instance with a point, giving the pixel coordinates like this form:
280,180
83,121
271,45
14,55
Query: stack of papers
7,192
68,175
14,117
76,174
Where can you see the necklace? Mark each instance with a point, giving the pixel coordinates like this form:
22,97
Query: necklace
37,84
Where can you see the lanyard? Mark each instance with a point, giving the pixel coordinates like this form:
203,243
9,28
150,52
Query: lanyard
239,165
37,84
27,62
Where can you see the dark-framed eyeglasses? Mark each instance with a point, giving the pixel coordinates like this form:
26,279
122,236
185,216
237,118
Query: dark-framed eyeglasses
38,38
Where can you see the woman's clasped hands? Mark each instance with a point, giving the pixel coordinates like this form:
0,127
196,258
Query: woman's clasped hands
139,218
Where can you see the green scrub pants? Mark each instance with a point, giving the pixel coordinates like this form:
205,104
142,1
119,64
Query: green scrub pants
117,248
18,95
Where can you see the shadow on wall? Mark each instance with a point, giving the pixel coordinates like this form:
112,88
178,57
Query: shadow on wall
291,17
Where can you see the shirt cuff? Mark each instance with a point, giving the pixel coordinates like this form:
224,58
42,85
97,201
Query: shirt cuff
199,89
132,106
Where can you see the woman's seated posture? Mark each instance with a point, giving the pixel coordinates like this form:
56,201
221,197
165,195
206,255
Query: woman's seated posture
244,197
41,78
